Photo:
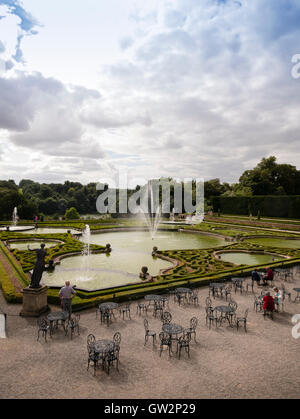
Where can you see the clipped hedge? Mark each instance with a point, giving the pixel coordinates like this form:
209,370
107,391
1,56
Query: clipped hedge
9,292
287,206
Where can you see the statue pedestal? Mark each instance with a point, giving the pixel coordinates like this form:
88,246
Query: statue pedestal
34,302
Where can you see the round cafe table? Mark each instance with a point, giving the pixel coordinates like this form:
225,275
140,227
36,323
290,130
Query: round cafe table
172,329
183,290
225,313
56,317
109,305
153,297
103,346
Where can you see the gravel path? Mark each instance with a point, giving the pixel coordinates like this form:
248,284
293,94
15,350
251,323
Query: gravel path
224,363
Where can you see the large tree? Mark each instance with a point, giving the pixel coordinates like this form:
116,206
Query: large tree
271,178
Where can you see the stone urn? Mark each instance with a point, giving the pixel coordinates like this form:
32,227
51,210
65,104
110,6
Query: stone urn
50,266
144,273
154,251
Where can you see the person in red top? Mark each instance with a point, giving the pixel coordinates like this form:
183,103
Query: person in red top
269,276
268,302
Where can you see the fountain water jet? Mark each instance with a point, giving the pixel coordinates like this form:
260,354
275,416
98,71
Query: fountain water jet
151,214
85,264
15,217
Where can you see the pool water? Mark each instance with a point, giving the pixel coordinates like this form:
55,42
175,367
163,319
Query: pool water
241,258
130,251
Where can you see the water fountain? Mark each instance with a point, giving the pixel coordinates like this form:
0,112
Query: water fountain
151,214
85,262
15,217
172,215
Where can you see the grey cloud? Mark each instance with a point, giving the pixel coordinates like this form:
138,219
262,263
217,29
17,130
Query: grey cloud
103,117
126,42
174,18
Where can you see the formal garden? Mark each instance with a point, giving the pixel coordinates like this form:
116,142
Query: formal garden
187,266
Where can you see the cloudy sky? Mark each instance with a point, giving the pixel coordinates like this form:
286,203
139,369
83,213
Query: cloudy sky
182,88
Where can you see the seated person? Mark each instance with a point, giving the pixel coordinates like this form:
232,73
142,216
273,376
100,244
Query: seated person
255,276
268,304
269,276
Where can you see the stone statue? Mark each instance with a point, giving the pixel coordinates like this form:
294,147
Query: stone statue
38,267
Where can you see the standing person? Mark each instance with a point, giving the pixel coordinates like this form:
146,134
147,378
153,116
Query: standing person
66,294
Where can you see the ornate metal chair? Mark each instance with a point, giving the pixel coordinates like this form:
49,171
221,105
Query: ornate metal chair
148,332
257,304
210,316
166,317
193,298
158,308
165,301
192,329
44,327
250,285
227,290
93,357
117,338
238,285
90,340
233,305
165,340
243,320
208,302
112,356
180,298
184,342
106,316
285,292
73,324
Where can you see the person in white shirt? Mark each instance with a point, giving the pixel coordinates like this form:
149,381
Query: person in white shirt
278,297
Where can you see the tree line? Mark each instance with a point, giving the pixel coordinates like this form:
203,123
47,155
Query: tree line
54,199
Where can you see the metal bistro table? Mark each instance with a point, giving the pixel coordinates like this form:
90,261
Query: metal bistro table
56,317
238,283
153,298
225,310
172,329
183,292
297,298
215,286
110,305
102,347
